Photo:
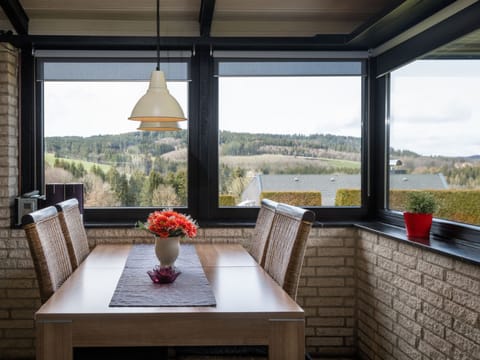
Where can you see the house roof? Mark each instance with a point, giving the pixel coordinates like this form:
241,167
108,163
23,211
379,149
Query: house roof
329,184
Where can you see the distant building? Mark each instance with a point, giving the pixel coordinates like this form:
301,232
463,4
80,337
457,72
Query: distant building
395,167
329,184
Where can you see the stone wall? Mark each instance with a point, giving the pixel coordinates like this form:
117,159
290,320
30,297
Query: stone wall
414,303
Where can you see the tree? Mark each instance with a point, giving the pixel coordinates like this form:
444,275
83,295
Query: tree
113,177
164,196
135,184
122,190
149,186
154,179
98,192
97,170
58,175
178,181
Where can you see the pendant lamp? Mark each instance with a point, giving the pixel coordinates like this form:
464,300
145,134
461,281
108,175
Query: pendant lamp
159,126
158,110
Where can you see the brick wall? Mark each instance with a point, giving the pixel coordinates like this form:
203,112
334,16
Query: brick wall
327,291
414,303
18,293
388,299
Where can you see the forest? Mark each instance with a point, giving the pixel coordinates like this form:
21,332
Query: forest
150,168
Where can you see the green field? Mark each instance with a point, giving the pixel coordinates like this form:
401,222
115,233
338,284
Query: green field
282,161
253,162
50,160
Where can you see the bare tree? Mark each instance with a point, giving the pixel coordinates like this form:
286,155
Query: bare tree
58,175
98,192
164,195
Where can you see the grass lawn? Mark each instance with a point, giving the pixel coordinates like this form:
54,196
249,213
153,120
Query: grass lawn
50,160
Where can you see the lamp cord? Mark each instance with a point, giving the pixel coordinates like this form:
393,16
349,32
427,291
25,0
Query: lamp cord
158,35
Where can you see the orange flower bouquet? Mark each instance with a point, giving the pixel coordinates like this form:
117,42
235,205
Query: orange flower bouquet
169,223
168,226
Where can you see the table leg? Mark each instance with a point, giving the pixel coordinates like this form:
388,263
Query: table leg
287,340
54,341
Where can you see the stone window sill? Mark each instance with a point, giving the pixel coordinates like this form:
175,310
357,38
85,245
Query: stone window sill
453,247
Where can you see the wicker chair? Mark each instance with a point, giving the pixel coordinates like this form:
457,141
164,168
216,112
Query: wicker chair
287,244
48,249
262,230
73,231
283,259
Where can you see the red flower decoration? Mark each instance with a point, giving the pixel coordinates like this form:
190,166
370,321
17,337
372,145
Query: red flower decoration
168,223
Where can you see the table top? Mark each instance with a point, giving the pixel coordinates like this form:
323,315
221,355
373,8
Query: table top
240,285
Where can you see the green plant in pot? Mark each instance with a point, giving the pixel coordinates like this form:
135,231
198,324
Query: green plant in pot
418,217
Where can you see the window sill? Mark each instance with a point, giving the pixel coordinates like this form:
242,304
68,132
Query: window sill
453,247
219,224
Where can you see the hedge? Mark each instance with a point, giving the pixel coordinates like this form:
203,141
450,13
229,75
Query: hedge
226,200
458,205
348,197
299,198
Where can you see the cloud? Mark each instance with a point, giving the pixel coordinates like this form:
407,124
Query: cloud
442,113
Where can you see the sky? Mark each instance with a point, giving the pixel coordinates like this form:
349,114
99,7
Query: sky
436,115
275,102
97,108
430,115
283,105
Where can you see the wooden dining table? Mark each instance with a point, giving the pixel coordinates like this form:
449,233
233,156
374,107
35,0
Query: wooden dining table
251,309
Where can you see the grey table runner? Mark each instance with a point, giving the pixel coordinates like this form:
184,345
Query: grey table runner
136,289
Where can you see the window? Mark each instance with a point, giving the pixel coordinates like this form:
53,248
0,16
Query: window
88,139
434,138
290,131
83,104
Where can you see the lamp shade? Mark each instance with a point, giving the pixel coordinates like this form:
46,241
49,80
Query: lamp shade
159,126
157,105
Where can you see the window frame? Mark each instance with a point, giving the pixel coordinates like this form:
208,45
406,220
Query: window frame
465,234
98,216
324,213
202,155
383,57
203,93
460,24
452,232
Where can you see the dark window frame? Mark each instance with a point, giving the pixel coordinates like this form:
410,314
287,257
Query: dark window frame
202,157
202,112
323,214
462,23
101,216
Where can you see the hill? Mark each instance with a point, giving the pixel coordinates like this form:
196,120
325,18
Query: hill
119,149
145,168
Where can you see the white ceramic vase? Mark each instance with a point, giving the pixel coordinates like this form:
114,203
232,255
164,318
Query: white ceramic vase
167,250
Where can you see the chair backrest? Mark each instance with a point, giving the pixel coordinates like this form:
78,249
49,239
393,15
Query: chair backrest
287,244
261,233
48,249
73,231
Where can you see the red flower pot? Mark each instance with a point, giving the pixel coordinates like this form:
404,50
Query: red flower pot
418,225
